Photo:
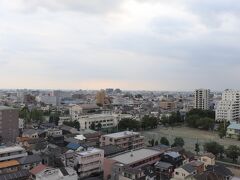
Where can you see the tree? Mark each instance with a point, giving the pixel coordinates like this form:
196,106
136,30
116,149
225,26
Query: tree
197,148
93,126
164,141
233,152
128,123
54,118
214,148
156,142
99,126
149,122
178,141
164,120
222,129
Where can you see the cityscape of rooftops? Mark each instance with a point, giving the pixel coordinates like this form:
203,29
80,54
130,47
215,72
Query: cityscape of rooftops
119,90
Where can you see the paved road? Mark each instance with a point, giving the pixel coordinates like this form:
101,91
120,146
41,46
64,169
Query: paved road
190,136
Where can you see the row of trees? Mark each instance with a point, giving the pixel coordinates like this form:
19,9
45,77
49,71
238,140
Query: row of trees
178,141
30,116
174,118
232,152
147,122
202,119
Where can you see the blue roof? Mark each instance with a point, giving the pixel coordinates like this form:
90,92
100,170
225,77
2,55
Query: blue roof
73,146
234,126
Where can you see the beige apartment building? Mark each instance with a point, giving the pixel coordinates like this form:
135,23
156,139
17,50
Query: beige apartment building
8,124
168,105
89,161
126,139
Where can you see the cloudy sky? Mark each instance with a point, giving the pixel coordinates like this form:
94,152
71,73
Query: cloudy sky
130,44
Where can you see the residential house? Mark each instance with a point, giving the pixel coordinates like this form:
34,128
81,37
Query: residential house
233,130
208,159
30,161
184,172
42,172
173,158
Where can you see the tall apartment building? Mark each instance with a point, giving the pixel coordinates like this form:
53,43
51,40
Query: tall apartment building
201,99
9,129
127,140
89,161
228,108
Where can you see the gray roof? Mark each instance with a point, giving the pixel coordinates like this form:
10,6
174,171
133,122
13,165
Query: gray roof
234,126
16,175
172,154
30,131
163,165
135,156
6,108
30,159
189,168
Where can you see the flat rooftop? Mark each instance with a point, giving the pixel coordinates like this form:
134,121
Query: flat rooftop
121,134
6,108
135,156
4,149
90,151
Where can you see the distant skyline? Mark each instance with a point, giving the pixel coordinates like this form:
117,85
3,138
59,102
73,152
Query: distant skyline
174,45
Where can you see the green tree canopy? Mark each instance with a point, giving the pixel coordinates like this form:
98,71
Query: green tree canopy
178,141
164,141
149,122
233,152
128,123
214,148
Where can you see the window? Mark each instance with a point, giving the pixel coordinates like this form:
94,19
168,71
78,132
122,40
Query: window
177,173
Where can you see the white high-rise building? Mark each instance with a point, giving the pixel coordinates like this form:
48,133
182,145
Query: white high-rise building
201,99
229,107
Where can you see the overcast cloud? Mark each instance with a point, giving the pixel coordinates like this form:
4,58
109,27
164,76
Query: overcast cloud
130,44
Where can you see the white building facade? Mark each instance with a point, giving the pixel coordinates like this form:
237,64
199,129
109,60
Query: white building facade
228,109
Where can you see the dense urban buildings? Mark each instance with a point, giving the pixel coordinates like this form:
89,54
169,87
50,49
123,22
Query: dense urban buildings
201,99
76,137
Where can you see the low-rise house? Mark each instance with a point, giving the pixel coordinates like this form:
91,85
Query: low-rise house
173,158
29,162
233,130
198,165
164,169
54,132
18,175
121,172
9,166
184,172
208,159
57,140
216,172
42,172
30,133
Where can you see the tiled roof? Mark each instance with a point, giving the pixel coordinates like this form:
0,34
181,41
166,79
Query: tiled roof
30,159
6,164
38,169
16,175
